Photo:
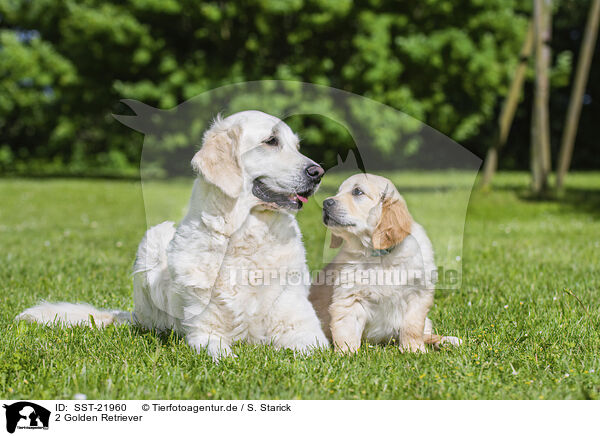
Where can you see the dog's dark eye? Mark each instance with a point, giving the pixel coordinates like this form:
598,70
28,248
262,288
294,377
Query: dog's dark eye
356,192
273,141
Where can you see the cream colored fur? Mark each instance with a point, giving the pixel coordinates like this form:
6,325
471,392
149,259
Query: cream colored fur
371,222
183,273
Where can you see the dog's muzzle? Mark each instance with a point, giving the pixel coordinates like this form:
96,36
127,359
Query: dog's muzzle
331,216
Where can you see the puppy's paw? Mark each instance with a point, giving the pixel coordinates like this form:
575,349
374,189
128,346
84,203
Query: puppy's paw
413,347
451,340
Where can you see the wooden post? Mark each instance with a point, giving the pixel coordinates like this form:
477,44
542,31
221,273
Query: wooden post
581,76
540,137
509,108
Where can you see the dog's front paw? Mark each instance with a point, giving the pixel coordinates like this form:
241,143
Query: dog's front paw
413,347
217,350
307,345
346,350
347,346
221,352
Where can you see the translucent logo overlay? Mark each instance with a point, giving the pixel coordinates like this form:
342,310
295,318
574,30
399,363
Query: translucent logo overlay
345,133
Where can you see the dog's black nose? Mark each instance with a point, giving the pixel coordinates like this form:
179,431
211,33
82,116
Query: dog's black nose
328,203
315,172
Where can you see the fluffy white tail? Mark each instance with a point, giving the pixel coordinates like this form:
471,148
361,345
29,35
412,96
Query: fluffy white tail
70,314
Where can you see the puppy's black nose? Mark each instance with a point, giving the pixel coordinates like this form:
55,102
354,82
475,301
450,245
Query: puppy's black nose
315,172
328,203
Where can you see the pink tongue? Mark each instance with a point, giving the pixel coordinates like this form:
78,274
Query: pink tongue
301,198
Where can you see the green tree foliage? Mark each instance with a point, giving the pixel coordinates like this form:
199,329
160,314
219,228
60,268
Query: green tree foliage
568,25
65,65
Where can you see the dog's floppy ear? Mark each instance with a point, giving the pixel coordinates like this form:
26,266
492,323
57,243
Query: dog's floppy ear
336,241
218,159
394,224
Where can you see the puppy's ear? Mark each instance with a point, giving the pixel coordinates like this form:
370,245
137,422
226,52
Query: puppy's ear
394,224
218,159
336,241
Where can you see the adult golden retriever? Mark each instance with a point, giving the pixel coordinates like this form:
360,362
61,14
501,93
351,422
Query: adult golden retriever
189,277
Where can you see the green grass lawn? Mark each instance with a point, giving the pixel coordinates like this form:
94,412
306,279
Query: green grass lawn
527,308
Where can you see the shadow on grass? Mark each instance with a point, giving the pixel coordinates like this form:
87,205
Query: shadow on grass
70,175
582,200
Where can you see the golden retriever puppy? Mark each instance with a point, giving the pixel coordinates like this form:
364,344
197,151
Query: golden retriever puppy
380,286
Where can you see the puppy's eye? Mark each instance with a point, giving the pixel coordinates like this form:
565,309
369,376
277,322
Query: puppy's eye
272,141
356,192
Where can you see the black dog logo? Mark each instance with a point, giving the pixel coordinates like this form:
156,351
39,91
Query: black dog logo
26,415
